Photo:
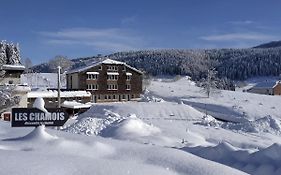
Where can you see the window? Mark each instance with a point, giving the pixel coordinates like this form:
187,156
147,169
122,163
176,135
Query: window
89,86
128,87
92,76
124,68
92,86
124,97
112,87
105,97
114,68
100,67
133,96
114,97
112,77
128,76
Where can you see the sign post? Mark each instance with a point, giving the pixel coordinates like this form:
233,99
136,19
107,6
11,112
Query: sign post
59,99
33,117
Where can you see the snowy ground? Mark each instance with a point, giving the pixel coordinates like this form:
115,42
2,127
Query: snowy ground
166,133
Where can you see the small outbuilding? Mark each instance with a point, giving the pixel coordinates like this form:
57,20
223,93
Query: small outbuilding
267,88
51,97
10,74
74,107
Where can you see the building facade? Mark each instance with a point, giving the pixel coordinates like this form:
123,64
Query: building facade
10,74
108,81
267,88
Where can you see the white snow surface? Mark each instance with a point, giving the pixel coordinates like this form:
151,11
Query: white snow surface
54,93
39,103
40,153
74,105
173,130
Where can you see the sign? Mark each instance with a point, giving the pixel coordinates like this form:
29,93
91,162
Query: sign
31,117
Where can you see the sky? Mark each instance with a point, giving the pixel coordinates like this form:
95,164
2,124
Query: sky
82,28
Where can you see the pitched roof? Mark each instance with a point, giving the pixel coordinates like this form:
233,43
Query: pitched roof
106,61
75,105
54,94
12,67
268,84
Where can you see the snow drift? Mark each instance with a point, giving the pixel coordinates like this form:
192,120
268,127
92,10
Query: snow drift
131,127
263,161
38,134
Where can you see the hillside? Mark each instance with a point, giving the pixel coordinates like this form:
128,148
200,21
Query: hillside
271,44
233,64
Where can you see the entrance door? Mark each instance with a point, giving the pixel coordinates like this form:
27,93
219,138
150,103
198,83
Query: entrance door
94,98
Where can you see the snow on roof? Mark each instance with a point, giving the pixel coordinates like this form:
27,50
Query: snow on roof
53,93
112,73
74,105
23,89
107,61
12,67
110,61
94,73
268,84
83,68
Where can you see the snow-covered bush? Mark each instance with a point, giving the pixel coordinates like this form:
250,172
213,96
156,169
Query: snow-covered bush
7,100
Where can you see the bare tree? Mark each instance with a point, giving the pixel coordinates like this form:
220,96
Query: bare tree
146,81
61,61
28,64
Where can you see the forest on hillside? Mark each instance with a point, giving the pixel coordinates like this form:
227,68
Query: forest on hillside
234,64
231,64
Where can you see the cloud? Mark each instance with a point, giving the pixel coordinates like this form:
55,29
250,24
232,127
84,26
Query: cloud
245,22
109,39
238,37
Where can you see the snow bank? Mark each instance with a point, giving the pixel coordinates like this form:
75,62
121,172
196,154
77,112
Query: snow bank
131,127
93,121
209,121
264,161
38,134
267,124
75,154
147,97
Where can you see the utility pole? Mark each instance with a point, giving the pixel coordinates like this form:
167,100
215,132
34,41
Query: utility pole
59,99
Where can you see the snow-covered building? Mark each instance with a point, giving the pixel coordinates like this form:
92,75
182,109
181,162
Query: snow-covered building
51,97
267,88
108,81
10,73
